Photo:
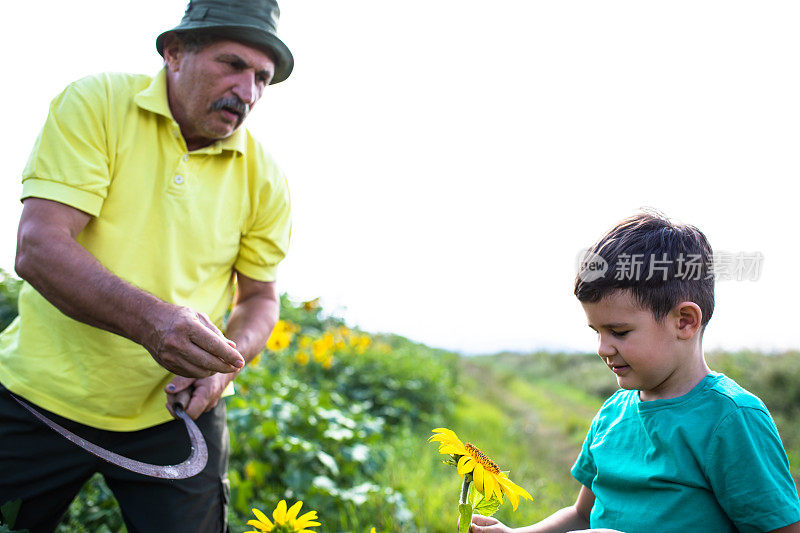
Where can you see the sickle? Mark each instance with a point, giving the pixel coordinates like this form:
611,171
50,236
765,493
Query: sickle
191,466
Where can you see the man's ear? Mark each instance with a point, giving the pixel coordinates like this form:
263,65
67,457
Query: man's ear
689,319
173,52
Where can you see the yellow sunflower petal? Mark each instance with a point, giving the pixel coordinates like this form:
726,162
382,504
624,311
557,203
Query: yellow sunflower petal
498,491
279,514
446,435
262,517
519,490
450,449
291,514
305,521
311,515
260,525
490,485
477,477
465,465
507,487
445,439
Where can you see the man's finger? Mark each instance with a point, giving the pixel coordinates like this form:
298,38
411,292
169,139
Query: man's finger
198,403
197,356
178,383
182,366
217,346
209,324
213,327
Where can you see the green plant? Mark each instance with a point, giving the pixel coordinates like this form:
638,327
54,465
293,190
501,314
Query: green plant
9,292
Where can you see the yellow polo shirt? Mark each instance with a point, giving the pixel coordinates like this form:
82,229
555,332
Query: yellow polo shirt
171,222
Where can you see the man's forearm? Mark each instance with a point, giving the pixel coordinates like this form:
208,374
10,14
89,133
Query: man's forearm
251,321
49,257
77,284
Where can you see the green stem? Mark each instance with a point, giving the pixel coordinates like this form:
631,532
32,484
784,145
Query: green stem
465,489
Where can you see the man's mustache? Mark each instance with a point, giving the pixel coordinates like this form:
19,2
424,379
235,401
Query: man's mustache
232,104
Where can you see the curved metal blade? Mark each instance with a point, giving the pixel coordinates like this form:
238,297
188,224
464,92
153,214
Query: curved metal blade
193,465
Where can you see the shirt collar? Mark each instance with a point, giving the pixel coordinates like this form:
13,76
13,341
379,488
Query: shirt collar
154,98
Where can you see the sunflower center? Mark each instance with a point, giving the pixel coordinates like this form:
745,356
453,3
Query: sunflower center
481,458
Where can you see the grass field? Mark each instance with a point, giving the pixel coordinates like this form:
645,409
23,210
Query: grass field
535,429
530,413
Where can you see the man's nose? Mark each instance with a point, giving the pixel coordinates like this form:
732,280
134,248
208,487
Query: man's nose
246,88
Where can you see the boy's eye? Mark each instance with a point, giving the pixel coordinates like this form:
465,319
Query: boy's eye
619,333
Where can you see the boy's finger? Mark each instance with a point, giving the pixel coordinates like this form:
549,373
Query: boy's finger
480,520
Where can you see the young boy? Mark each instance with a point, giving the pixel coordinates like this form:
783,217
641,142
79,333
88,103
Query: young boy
679,448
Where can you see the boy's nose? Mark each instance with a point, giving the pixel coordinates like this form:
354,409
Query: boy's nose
606,351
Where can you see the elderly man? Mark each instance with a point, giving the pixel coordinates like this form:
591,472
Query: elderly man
147,212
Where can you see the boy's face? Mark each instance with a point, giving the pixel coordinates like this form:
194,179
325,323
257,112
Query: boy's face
646,355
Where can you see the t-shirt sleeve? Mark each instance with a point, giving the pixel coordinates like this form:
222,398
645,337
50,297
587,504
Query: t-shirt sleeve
69,162
266,241
749,472
585,469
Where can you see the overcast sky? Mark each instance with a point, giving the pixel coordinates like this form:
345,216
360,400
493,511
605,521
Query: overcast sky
448,160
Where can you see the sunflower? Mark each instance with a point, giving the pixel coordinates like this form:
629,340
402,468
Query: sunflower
485,473
285,521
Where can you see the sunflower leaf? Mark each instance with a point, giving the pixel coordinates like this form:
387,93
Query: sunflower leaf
488,507
465,511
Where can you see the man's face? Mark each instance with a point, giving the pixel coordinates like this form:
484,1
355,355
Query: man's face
211,91
643,353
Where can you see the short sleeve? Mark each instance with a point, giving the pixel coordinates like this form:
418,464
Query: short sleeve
585,469
265,243
749,472
69,162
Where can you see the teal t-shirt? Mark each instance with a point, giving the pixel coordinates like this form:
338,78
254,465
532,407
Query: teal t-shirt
710,460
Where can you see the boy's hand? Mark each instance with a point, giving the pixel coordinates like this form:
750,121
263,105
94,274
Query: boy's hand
595,531
487,524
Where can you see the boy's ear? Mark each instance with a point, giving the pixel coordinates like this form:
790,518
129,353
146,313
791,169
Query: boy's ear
690,319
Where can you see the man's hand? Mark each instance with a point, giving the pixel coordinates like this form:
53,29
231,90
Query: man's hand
205,393
188,344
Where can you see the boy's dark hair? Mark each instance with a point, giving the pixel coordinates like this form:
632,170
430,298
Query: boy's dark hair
660,262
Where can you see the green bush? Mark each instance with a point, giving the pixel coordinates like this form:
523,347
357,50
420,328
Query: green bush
323,429
9,292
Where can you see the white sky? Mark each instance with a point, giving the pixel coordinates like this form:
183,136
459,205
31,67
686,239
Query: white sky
449,159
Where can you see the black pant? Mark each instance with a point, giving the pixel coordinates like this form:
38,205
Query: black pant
47,471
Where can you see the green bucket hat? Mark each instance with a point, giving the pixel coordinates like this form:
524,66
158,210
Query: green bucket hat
253,22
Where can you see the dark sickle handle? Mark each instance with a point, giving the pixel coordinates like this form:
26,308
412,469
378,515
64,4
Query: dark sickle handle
182,399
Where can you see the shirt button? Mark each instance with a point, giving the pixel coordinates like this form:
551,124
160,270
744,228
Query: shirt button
178,179
185,157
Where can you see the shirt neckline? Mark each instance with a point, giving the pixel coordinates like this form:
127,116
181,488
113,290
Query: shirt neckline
653,405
